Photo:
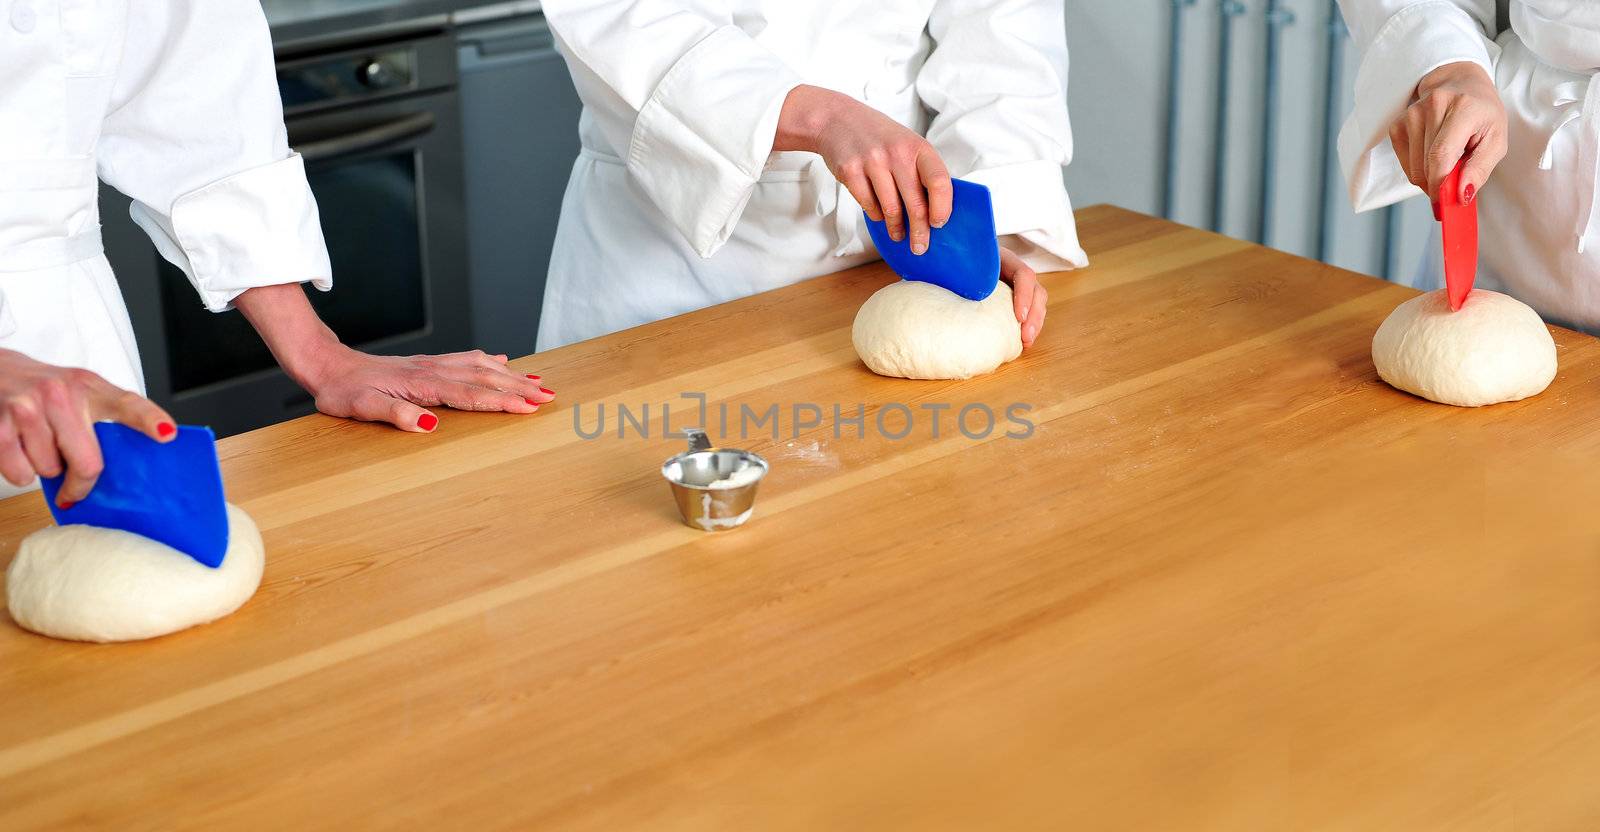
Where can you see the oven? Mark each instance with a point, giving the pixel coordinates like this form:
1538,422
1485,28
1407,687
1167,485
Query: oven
380,129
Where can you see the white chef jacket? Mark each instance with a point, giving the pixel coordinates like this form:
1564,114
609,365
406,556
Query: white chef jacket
677,201
1539,227
173,103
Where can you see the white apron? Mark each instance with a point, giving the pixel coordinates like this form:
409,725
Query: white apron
175,105
1539,230
677,202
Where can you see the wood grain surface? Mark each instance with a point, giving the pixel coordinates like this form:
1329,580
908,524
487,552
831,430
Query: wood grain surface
1230,581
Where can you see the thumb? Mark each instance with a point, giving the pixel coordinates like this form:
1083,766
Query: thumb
1474,173
380,407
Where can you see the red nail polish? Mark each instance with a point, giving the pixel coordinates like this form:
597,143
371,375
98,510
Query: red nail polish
547,391
1472,191
428,421
166,429
67,505
532,377
532,402
1438,215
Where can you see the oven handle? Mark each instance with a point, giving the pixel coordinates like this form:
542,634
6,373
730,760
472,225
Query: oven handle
371,138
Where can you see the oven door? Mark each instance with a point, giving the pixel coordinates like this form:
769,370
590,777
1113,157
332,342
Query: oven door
388,182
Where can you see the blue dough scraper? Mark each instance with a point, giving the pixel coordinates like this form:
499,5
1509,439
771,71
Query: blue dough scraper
963,256
169,492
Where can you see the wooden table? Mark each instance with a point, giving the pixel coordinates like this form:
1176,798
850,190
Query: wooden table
1232,581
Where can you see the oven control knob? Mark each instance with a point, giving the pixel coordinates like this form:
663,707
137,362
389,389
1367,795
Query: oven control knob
377,74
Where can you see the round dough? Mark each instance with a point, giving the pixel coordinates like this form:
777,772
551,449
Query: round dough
90,584
911,329
1494,349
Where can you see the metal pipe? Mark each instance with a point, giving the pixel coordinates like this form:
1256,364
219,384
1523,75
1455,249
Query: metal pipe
1277,18
1219,162
1332,96
1169,183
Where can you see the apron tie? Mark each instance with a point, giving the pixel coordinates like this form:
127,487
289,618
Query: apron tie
44,253
834,199
1581,103
51,252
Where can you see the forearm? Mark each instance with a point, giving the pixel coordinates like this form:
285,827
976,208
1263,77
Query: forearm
302,344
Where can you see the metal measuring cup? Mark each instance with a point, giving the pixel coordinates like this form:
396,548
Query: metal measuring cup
715,488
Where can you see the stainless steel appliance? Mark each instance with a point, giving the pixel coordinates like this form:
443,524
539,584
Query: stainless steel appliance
520,124
380,128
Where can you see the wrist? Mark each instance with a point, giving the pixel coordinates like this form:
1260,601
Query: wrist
807,114
315,363
1456,72
303,345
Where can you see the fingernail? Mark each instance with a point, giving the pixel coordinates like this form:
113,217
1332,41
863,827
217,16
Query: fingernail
66,504
547,391
1438,216
532,402
1472,191
428,422
166,429
1028,333
1023,316
919,247
939,223
532,377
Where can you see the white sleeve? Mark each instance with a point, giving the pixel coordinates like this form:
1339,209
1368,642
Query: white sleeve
996,82
1400,41
195,137
704,95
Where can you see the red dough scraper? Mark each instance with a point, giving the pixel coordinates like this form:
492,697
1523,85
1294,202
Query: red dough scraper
1460,238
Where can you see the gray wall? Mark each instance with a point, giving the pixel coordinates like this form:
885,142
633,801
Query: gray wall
1118,96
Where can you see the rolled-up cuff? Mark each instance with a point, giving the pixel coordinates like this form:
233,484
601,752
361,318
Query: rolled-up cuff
1414,42
1033,215
256,228
703,137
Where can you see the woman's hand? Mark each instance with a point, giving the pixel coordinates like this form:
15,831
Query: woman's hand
1027,295
377,388
894,173
47,416
1457,113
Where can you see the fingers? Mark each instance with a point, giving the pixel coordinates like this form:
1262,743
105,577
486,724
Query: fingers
499,380
1416,149
14,464
1447,143
68,416
461,395
909,181
34,434
1441,129
1425,140
855,181
936,178
1486,155
1028,297
1034,325
887,193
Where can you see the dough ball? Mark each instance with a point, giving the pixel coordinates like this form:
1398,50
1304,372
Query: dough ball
911,329
1494,349
90,584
